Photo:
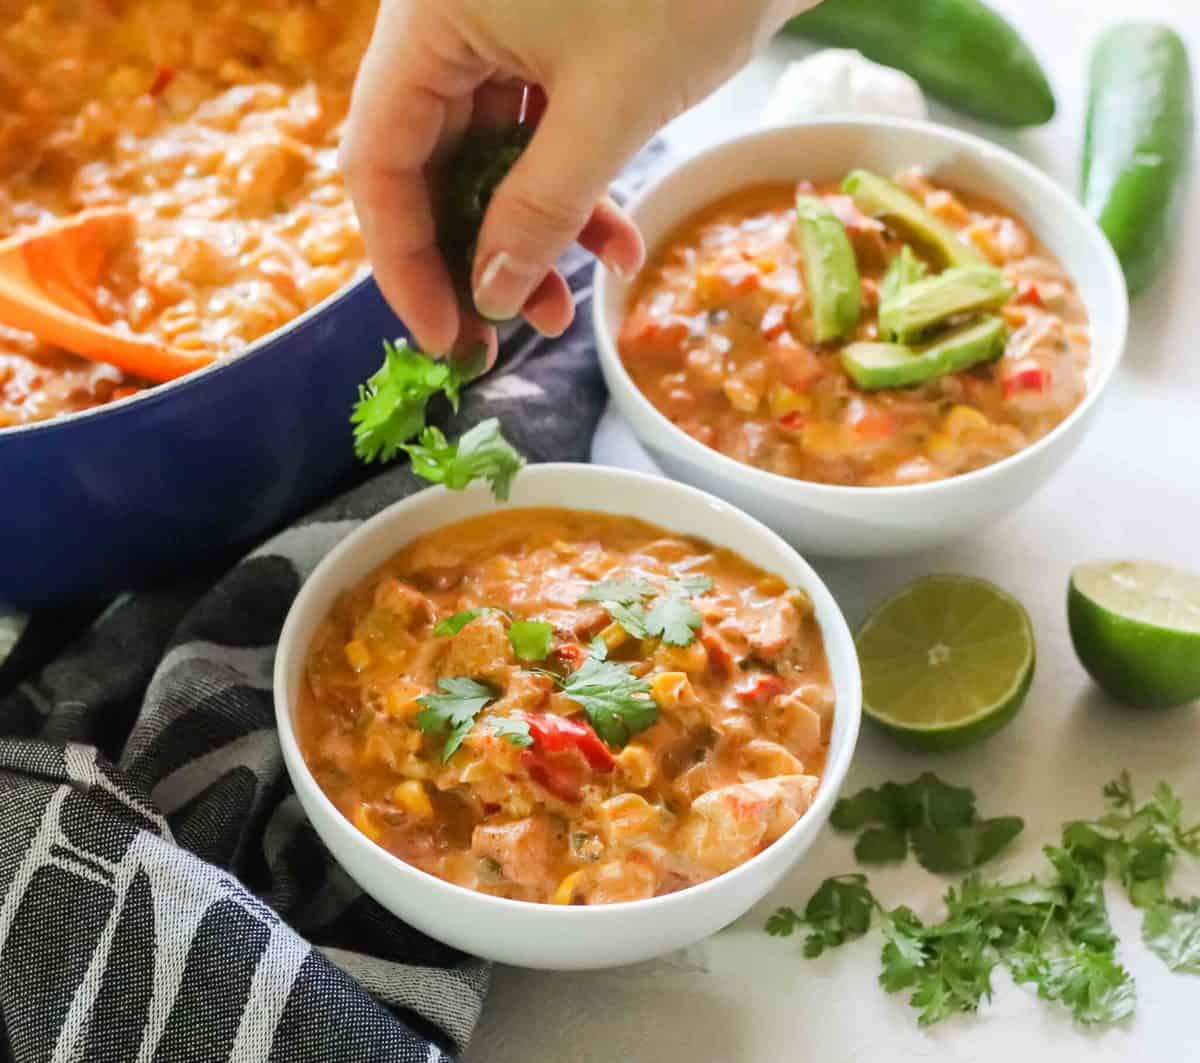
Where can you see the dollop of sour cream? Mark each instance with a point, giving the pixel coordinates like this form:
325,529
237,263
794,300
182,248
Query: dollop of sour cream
841,81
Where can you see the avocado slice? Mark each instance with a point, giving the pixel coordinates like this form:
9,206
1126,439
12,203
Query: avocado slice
881,198
874,366
830,269
906,314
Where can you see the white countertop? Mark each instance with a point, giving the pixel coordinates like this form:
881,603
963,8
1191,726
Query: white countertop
1133,489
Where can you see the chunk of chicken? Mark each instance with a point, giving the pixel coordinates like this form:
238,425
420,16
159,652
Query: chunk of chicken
409,604
630,879
481,650
726,827
526,850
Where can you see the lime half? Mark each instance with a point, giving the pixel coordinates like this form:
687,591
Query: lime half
1136,629
946,662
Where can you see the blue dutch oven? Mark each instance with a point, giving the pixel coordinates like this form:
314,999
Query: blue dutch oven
125,494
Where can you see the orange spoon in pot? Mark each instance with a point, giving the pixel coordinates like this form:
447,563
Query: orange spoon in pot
47,282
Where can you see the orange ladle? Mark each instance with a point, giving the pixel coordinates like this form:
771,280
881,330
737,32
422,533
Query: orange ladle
48,280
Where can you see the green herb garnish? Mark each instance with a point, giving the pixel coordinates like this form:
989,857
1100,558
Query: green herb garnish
531,639
510,729
598,648
453,711
616,701
391,406
481,454
838,912
674,620
935,818
624,591
670,618
452,625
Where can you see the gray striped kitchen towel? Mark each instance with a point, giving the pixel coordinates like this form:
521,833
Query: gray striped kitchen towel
162,896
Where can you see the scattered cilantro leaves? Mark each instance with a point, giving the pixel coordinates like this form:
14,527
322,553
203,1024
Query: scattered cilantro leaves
1171,929
391,405
690,586
631,616
510,728
674,620
481,454
452,625
616,701
937,819
624,591
598,648
531,639
453,711
838,912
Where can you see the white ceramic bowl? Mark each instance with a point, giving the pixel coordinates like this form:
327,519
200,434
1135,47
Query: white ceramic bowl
829,519
545,935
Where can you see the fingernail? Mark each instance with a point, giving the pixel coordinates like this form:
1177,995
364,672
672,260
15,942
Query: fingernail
505,286
616,269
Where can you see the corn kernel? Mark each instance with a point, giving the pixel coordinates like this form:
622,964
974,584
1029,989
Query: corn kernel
766,264
413,767
400,700
365,822
692,658
942,449
564,893
822,440
670,689
781,399
962,419
636,765
613,636
358,654
411,797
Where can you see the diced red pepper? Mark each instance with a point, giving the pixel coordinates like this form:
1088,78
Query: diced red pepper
553,734
1026,375
1029,294
718,653
163,76
570,654
557,776
774,321
793,421
759,689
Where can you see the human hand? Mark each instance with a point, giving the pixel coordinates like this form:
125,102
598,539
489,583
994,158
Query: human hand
613,71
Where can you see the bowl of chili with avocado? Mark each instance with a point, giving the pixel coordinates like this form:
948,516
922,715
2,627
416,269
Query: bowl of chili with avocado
875,335
580,729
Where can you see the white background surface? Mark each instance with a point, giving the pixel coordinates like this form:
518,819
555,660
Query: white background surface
1132,490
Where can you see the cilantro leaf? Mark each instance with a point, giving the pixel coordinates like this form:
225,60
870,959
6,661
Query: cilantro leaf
879,845
866,806
963,848
452,625
839,911
624,591
929,802
674,620
453,711
531,639
481,454
1171,929
690,586
631,617
511,728
598,648
616,701
391,406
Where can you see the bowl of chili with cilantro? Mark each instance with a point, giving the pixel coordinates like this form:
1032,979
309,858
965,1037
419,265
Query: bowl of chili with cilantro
875,335
578,729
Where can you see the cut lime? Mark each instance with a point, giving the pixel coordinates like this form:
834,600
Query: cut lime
1136,629
946,662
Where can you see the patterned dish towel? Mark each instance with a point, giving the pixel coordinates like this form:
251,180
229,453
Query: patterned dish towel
162,896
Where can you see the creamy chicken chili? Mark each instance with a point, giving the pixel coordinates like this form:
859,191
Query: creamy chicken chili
568,707
218,124
734,338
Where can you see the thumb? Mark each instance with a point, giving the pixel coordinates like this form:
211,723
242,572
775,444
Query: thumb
540,208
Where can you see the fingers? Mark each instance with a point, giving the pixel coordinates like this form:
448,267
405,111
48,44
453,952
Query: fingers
545,202
407,102
551,308
612,237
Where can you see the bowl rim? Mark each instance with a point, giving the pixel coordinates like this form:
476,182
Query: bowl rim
163,392
836,638
986,153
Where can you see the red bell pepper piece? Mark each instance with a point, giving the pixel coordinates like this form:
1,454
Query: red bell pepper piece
793,421
557,776
1030,294
718,653
553,734
759,689
570,654
1026,376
